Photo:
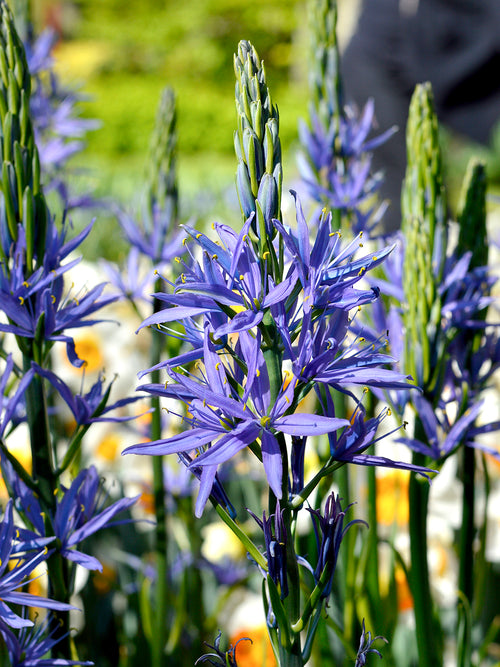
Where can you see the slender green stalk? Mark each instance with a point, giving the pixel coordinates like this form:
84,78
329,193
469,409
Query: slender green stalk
324,72
372,566
161,541
43,466
162,211
467,531
429,635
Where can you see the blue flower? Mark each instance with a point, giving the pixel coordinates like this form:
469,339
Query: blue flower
29,647
223,422
129,280
328,271
37,306
366,646
221,658
442,436
155,238
92,406
275,540
335,163
15,571
353,441
232,279
12,410
79,513
59,132
329,531
323,354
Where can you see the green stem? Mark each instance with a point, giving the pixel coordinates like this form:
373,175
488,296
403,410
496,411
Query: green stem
41,446
160,634
372,568
427,626
43,465
467,532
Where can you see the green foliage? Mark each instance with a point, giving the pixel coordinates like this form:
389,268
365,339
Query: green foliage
186,45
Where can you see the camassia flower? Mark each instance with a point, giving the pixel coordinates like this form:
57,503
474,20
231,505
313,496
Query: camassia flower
220,657
80,512
323,354
12,406
37,306
223,422
366,642
444,436
92,406
335,163
327,268
231,281
329,530
15,571
275,543
30,646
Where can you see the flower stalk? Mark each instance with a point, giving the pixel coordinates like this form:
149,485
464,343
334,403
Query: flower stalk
423,225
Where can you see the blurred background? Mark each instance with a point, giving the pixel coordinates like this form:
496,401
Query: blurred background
121,55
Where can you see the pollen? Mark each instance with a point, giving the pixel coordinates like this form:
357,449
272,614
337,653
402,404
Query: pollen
21,300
